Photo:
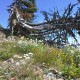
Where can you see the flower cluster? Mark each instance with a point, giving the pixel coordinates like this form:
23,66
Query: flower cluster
28,56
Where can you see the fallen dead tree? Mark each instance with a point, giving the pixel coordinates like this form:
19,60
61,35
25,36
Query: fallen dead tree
55,30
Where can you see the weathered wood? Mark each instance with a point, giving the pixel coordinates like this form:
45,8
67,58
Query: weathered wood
59,27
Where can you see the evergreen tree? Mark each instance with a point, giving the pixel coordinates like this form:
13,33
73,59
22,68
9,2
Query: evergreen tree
27,8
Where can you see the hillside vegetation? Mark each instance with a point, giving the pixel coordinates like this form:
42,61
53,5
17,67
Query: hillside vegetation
28,59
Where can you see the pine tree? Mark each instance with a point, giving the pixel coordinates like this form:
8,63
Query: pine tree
27,8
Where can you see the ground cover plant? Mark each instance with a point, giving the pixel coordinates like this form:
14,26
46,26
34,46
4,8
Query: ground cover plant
66,60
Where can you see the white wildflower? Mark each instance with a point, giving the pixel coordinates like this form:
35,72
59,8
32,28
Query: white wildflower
79,65
36,40
27,58
72,51
20,42
8,45
5,62
14,45
26,55
22,37
17,56
30,54
60,73
27,38
40,41
62,79
31,40
36,45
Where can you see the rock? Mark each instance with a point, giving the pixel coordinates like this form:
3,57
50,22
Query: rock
23,62
27,78
53,70
11,60
14,78
38,72
51,76
5,65
17,63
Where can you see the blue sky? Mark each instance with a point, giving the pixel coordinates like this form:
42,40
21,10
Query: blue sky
41,4
51,4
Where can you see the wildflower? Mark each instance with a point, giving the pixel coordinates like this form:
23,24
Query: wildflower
14,45
27,57
17,56
20,42
79,65
40,41
36,40
36,45
22,37
30,54
27,38
60,73
8,45
72,51
31,40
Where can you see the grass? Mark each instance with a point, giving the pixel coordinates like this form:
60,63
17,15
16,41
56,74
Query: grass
67,60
